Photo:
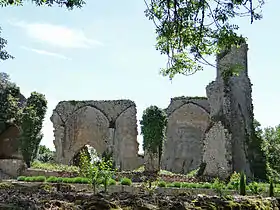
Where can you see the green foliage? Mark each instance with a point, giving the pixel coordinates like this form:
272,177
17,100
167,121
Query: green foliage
54,167
53,179
218,186
257,154
32,178
99,173
10,109
45,155
70,4
190,31
31,125
21,178
153,126
177,184
4,55
234,181
126,181
272,147
271,189
242,183
162,184
255,188
112,182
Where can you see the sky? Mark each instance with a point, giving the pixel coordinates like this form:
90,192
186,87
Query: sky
106,51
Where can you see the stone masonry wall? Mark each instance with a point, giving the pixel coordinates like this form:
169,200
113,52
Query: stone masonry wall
105,125
188,118
231,106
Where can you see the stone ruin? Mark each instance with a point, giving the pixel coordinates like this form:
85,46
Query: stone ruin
213,130
210,130
108,126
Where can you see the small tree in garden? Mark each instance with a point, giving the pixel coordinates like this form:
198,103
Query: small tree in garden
153,126
101,171
242,184
88,170
106,171
31,124
271,189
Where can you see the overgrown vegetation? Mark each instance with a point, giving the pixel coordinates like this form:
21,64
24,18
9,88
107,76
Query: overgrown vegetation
153,126
27,115
31,125
54,167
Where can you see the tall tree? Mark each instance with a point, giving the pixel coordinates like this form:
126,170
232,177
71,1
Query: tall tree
70,4
31,126
190,30
271,137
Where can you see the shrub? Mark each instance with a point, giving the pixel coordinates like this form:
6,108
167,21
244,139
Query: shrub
126,181
271,189
206,185
242,184
39,179
112,182
29,179
169,185
21,178
218,186
255,188
234,181
81,180
177,184
162,184
52,179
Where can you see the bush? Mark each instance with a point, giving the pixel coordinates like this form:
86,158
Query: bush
81,180
39,179
112,182
242,184
234,182
52,179
126,181
162,184
21,178
177,184
255,188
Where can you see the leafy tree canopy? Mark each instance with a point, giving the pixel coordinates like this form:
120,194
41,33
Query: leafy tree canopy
70,4
190,30
153,125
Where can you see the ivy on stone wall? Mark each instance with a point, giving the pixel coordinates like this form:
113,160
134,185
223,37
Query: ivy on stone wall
9,101
33,115
153,126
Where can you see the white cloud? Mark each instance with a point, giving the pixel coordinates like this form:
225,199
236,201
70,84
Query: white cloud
44,52
56,35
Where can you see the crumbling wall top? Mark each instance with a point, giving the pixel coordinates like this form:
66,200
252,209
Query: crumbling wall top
177,102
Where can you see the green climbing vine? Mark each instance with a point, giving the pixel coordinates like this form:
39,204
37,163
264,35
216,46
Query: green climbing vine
33,115
153,126
28,115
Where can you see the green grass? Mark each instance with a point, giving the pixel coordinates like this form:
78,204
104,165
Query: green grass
54,167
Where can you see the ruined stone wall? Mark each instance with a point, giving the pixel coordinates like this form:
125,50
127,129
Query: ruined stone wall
188,118
105,125
231,110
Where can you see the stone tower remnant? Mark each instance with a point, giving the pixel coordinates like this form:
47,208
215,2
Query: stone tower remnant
108,126
188,119
213,130
226,141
